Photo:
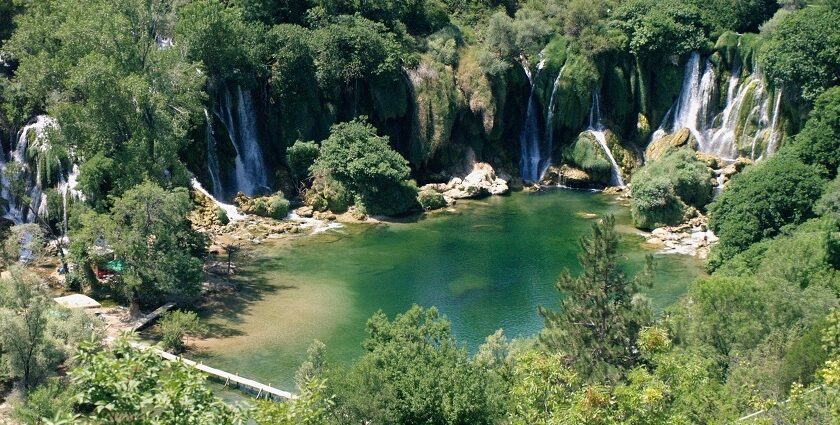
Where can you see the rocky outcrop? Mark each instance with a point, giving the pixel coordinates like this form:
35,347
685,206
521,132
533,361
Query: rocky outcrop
692,238
566,175
273,206
658,148
480,182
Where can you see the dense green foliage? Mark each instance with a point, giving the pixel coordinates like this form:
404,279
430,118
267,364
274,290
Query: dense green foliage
148,231
663,189
802,52
763,199
388,92
356,158
174,326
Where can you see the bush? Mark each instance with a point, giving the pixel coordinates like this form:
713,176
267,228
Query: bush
662,189
300,156
327,193
222,216
654,203
274,206
818,143
431,199
760,201
174,326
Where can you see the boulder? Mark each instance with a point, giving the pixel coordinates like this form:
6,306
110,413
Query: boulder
682,137
566,175
481,181
305,211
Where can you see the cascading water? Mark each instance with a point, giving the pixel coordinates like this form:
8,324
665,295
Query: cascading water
16,209
529,137
740,128
597,128
212,159
251,175
549,127
230,210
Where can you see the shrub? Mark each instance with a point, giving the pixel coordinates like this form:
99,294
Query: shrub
300,156
430,199
175,326
327,193
818,143
588,155
760,201
655,203
273,206
662,189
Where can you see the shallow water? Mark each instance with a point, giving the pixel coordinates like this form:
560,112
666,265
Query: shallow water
486,266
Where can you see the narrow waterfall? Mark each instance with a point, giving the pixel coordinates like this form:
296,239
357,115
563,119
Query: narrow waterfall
68,187
549,127
251,175
529,137
747,125
597,128
212,159
15,210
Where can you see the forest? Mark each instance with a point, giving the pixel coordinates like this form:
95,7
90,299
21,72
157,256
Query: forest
141,139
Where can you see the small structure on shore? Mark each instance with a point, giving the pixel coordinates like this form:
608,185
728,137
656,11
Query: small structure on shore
77,301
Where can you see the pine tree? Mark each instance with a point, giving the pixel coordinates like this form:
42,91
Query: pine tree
602,309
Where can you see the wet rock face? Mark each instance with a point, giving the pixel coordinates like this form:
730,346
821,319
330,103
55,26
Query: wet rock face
658,148
566,175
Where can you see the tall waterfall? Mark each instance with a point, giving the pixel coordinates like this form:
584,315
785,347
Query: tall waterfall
597,128
212,159
549,127
241,126
16,210
529,137
748,123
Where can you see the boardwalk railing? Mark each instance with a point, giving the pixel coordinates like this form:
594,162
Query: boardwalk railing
259,390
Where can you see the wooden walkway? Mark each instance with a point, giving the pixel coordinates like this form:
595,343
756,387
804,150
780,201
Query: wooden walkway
145,320
247,385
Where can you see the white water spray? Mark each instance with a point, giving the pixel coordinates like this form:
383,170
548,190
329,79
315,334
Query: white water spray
597,128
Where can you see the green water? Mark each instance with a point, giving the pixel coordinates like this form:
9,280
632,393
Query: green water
486,266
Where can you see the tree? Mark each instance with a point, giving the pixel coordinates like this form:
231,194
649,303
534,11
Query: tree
351,49
357,158
174,326
147,230
660,28
819,141
300,158
27,351
803,52
602,310
134,386
98,69
760,201
35,335
218,36
412,372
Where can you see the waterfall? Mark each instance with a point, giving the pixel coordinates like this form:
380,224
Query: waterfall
529,137
549,128
230,210
68,189
742,125
775,135
16,212
251,175
597,128
212,158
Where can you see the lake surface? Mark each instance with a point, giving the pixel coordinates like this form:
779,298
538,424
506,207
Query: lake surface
486,266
